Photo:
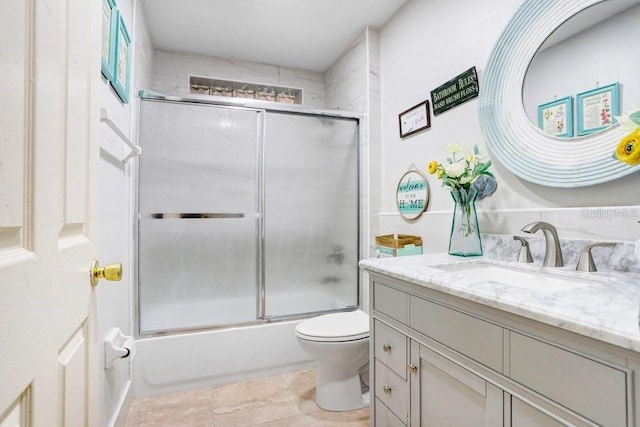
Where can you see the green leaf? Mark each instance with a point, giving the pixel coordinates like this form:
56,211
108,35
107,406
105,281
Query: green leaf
635,117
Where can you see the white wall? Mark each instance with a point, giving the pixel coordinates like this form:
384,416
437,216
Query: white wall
424,45
353,83
172,70
114,220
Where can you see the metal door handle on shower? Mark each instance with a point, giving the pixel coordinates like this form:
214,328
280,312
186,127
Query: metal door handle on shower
192,215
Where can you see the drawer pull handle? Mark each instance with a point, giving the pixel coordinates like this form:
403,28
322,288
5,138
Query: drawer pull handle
386,389
413,368
386,348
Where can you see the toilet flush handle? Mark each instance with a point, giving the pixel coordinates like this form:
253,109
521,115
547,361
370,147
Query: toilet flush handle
386,348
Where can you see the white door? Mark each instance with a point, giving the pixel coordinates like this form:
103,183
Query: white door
49,68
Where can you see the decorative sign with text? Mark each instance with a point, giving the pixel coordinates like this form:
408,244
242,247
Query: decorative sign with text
414,119
412,194
455,92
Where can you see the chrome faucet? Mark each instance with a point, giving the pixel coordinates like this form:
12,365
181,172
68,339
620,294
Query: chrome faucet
525,254
553,253
585,263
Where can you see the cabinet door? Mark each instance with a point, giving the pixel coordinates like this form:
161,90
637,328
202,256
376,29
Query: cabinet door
525,415
452,396
554,372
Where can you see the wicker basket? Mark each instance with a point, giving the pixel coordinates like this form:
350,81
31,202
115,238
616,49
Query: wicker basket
402,245
402,240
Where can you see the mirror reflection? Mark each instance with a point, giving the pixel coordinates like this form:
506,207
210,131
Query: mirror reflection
592,50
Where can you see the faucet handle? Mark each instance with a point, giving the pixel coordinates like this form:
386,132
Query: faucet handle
525,254
585,263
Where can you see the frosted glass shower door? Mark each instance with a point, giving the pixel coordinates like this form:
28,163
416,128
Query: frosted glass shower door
311,214
198,216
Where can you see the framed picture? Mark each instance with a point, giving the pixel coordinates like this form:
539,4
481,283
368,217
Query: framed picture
121,71
414,119
596,108
109,21
555,118
412,194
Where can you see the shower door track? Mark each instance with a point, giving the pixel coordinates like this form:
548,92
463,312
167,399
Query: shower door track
247,103
263,321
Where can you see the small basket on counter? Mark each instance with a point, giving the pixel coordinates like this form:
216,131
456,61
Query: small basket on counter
390,245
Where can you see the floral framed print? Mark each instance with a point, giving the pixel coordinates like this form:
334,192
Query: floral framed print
555,118
597,108
121,72
109,21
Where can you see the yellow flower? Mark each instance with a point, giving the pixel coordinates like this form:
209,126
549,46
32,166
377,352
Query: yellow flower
433,166
628,149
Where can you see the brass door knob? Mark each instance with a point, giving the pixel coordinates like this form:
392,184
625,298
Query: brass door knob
111,272
413,368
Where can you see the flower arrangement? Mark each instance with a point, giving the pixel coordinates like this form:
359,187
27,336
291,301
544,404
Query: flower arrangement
628,149
465,170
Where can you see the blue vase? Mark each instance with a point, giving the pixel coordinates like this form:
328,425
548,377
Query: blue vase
465,234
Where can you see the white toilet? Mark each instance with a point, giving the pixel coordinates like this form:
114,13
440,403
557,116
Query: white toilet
340,344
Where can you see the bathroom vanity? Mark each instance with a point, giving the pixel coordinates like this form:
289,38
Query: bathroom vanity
450,346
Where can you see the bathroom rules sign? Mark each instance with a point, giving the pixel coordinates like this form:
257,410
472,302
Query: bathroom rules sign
456,91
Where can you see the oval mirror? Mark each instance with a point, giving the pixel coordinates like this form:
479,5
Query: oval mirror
513,138
594,43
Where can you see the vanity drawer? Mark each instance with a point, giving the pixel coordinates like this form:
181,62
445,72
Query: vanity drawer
480,340
389,301
384,417
588,387
392,390
390,348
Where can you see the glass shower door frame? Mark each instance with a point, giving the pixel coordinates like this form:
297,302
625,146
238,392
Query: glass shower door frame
261,110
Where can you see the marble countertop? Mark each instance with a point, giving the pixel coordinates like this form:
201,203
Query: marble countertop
606,309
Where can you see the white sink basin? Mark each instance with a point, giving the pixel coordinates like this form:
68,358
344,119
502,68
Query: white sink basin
513,276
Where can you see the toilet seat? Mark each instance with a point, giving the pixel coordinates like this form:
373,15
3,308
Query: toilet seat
335,327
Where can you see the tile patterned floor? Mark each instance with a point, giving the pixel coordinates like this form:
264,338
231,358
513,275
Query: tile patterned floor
286,400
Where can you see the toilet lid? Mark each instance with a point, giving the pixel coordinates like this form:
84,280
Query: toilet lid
346,326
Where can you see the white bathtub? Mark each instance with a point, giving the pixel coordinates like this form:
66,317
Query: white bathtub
201,359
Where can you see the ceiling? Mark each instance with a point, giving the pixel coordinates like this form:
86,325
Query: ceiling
303,34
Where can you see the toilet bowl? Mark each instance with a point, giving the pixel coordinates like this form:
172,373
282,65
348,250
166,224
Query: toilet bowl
339,342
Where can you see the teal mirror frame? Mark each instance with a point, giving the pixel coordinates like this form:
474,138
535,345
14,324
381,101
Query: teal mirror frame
510,136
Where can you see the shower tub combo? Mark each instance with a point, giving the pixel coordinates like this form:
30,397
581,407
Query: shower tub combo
246,223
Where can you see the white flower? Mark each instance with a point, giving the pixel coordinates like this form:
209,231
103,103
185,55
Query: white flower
454,170
467,179
453,148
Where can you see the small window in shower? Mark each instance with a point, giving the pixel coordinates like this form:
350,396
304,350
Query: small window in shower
238,89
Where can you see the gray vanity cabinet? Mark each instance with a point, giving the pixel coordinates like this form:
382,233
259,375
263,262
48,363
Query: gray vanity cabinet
440,360
446,394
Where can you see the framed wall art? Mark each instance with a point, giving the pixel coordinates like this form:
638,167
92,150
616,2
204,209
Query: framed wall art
414,119
596,108
555,118
121,72
109,22
412,194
